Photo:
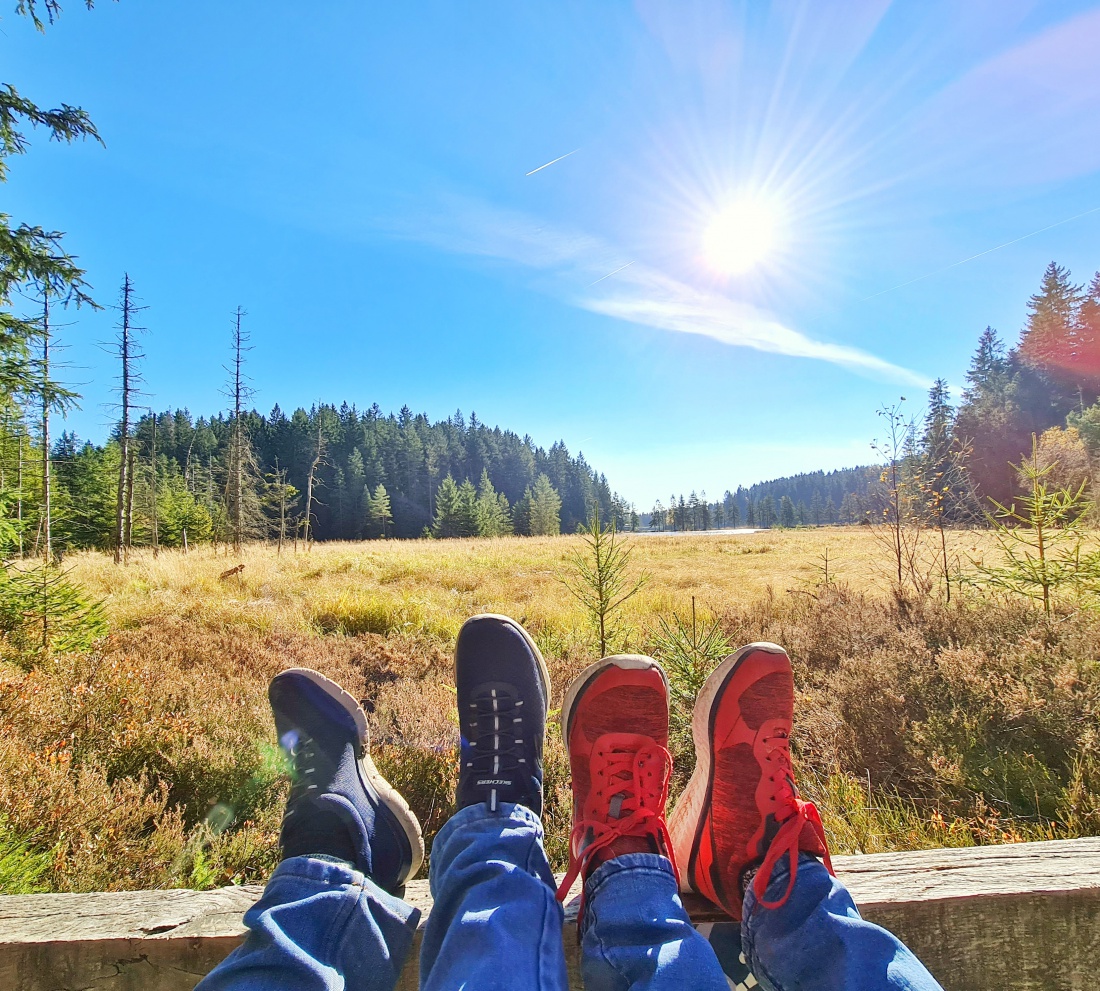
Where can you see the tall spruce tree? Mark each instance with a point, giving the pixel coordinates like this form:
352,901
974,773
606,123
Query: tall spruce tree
466,510
990,421
446,509
493,519
545,511
766,512
786,512
381,513
1051,339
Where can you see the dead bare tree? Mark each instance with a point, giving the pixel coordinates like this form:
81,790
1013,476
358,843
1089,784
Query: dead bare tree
129,353
153,486
901,525
242,503
50,396
45,368
280,498
318,460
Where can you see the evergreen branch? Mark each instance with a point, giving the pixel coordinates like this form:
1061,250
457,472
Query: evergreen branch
52,8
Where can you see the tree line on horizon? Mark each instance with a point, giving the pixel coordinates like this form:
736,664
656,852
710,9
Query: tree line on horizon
1037,398
169,479
327,473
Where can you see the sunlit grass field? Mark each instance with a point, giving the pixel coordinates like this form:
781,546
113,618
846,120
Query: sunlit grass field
151,762
431,586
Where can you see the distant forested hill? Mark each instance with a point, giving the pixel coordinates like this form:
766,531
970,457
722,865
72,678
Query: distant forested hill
945,464
818,498
372,475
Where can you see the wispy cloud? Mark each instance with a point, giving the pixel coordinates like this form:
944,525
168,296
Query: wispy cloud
1027,115
656,301
568,261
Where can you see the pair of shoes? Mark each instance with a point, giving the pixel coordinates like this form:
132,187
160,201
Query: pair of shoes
740,810
341,806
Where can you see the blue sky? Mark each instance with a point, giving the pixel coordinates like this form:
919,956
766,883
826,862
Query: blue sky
356,176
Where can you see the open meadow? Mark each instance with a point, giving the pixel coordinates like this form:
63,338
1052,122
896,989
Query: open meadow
151,760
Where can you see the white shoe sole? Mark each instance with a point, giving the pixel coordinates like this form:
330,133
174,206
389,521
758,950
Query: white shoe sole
387,794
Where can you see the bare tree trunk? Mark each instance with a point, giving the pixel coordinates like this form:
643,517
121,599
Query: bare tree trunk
238,473
46,426
19,495
280,480
121,530
240,394
188,470
317,459
129,527
156,529
309,501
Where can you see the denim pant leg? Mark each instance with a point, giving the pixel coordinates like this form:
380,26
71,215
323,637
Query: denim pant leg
319,926
495,923
636,934
817,941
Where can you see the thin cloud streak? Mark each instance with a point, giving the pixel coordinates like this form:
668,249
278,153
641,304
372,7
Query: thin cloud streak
642,295
609,274
668,305
553,162
981,254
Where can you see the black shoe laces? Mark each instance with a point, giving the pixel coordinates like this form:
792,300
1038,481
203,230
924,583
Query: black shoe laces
496,738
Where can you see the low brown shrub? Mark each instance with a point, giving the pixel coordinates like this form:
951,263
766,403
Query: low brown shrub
152,761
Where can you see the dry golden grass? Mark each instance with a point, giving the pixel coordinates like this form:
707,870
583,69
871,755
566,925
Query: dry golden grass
431,586
152,763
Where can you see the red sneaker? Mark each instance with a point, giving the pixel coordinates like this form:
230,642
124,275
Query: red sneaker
741,807
615,723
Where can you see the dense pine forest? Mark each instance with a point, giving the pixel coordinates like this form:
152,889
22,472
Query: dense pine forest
365,474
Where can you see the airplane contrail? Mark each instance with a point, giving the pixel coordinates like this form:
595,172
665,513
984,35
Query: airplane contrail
609,274
946,268
548,164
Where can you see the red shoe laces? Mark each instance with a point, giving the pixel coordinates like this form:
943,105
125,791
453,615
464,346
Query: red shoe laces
622,780
787,840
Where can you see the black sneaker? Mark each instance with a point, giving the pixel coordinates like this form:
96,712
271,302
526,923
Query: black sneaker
339,804
503,700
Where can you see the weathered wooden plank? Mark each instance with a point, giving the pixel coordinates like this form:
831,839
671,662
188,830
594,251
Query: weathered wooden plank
1009,917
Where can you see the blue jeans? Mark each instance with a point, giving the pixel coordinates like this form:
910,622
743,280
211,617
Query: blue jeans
817,940
321,926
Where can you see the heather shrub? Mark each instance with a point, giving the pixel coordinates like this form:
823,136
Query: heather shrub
149,760
981,708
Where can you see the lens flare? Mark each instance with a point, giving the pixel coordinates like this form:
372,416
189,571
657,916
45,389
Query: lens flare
744,235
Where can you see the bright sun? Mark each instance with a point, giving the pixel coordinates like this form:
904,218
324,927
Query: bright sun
743,235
